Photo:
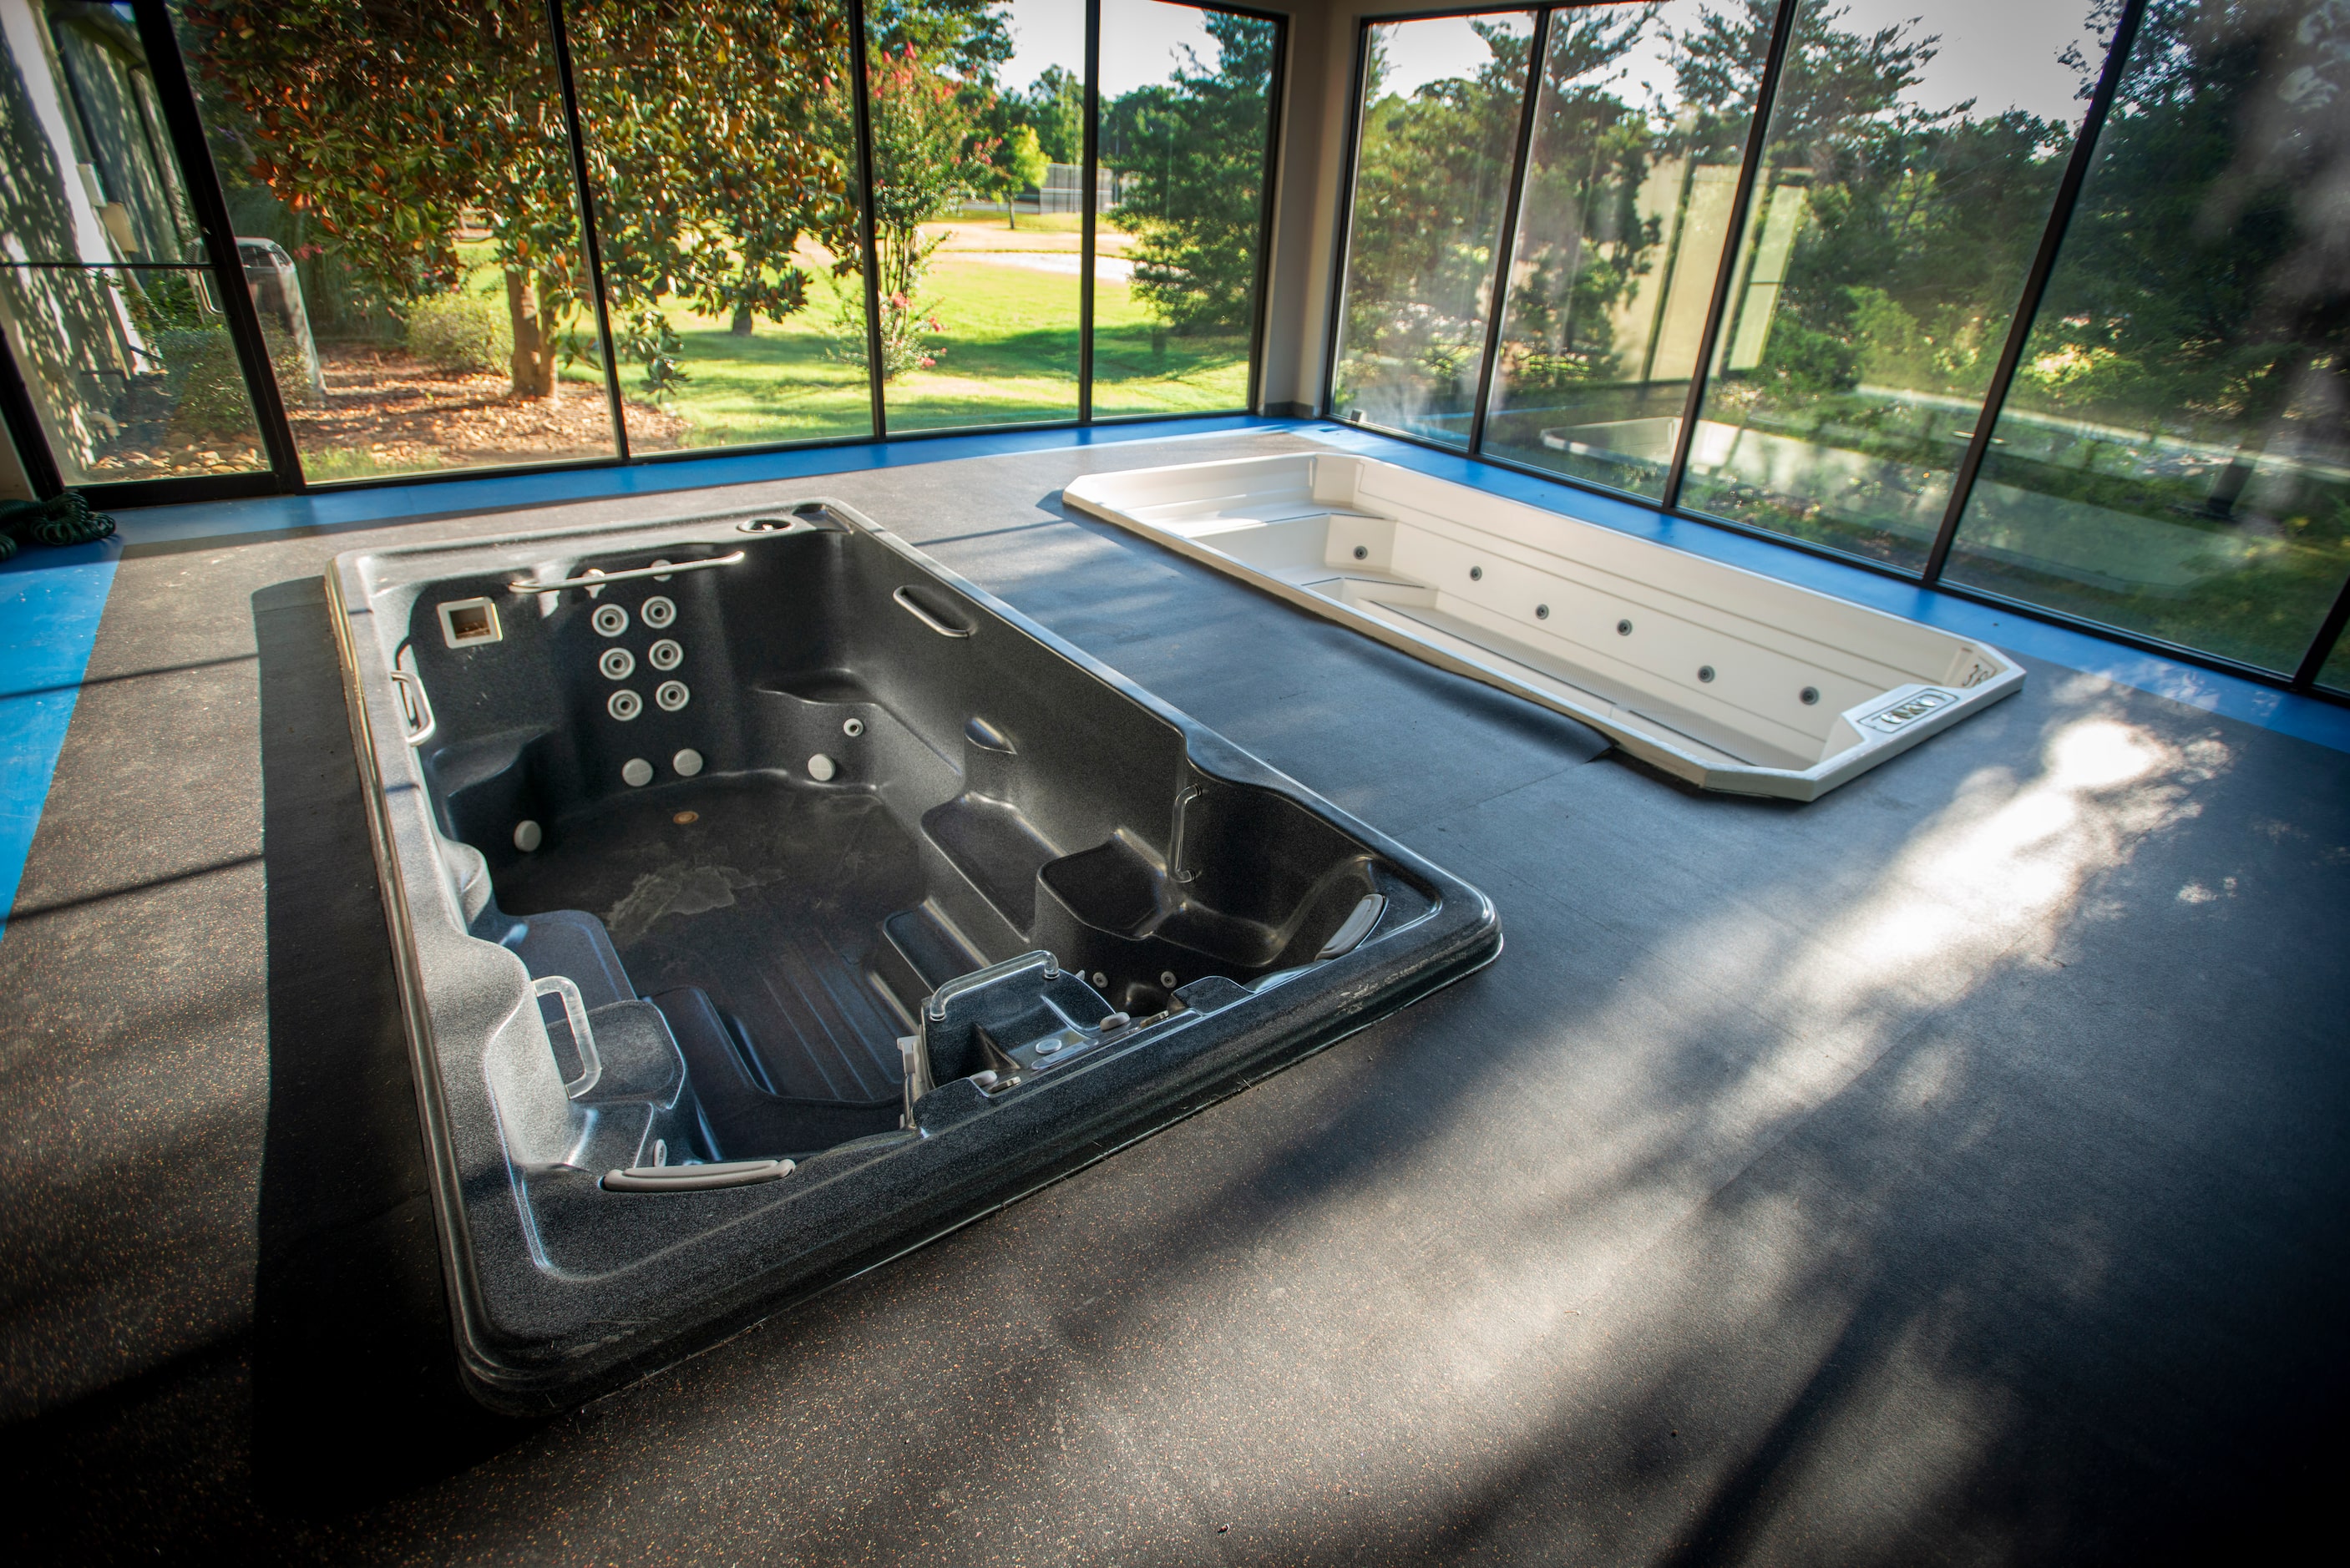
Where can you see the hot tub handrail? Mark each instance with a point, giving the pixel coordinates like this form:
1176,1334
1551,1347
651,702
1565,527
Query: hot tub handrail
597,579
415,706
583,1037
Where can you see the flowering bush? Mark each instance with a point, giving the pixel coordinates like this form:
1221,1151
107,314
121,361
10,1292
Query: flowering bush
928,152
904,321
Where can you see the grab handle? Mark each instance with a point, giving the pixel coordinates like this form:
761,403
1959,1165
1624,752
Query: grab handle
695,1177
415,707
906,602
575,1012
658,569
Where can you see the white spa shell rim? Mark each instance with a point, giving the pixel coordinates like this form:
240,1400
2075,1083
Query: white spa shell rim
1707,686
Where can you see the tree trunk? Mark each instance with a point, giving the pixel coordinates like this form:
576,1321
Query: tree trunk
2221,504
2266,399
742,324
533,365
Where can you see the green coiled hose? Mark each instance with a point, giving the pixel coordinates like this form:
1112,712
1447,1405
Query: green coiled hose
59,521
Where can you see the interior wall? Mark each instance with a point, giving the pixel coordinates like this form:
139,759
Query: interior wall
1305,239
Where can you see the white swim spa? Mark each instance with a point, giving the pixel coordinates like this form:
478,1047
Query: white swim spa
1731,680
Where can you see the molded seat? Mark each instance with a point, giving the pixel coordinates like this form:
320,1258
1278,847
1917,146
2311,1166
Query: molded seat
743,1118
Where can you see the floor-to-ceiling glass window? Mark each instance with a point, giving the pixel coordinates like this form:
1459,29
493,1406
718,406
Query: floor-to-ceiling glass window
2172,457
978,118
1185,116
722,161
1442,103
401,172
112,311
1641,121
1908,174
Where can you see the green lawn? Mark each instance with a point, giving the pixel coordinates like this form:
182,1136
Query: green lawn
1008,354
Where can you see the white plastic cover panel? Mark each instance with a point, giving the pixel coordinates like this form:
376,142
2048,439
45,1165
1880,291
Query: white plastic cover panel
1731,680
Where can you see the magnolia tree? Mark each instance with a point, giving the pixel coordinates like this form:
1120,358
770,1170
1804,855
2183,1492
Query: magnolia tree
386,128
710,158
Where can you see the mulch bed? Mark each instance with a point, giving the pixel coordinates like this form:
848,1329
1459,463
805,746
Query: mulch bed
405,414
407,417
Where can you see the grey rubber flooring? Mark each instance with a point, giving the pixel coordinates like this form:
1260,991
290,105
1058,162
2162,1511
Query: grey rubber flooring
1952,1170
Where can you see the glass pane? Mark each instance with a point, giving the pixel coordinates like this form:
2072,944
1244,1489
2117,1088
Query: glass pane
2335,671
400,180
1908,177
1441,101
127,357
2172,457
131,371
87,176
1186,102
977,228
1639,130
723,157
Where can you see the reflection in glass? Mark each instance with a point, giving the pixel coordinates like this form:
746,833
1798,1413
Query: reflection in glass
1907,176
132,373
974,211
401,174
1641,125
125,354
1176,256
2172,457
722,156
2334,673
1442,103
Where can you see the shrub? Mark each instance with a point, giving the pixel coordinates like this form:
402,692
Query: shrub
205,384
904,323
460,332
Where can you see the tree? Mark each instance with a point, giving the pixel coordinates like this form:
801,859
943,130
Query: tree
928,152
386,124
1195,153
2202,275
716,138
1017,163
1919,223
1833,80
709,157
1583,243
1138,125
1430,177
1055,107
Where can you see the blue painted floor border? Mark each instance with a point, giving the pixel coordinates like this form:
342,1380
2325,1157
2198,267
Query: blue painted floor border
51,600
50,603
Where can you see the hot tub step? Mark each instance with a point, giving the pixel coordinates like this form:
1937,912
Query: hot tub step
744,1121
918,954
993,843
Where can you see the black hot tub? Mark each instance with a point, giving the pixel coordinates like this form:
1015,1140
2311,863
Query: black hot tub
769,900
